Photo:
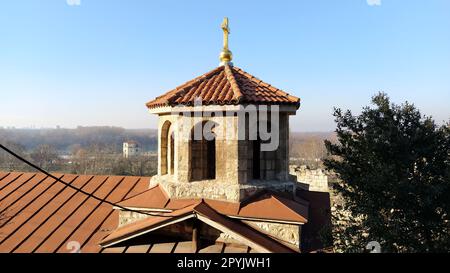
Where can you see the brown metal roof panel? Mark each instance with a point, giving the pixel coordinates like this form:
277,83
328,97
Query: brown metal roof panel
142,185
32,238
124,188
101,213
9,178
110,223
21,198
175,204
26,212
223,207
145,224
31,189
243,230
44,230
76,215
270,208
46,223
134,228
22,181
87,228
154,197
3,175
297,207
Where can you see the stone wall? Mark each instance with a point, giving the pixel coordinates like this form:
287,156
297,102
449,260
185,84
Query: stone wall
213,189
226,148
288,233
233,179
285,232
273,165
128,217
313,180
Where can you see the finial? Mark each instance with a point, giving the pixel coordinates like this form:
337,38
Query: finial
225,55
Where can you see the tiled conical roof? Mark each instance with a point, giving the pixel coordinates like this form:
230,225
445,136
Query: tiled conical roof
224,85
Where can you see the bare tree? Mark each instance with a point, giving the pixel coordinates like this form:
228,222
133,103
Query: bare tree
10,163
45,156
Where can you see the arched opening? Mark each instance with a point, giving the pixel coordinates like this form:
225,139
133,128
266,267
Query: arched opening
172,153
256,159
264,163
202,150
164,148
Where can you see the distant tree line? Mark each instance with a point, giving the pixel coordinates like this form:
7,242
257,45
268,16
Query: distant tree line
63,140
309,148
83,150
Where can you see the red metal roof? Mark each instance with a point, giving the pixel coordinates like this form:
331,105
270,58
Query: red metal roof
137,227
43,215
224,85
203,209
270,206
264,205
153,198
39,214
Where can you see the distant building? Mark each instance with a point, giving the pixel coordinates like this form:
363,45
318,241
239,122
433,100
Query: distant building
131,148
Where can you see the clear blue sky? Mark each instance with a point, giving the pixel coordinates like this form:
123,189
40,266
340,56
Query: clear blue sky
98,62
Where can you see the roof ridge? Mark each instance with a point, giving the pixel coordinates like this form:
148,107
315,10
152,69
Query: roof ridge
192,83
180,89
232,80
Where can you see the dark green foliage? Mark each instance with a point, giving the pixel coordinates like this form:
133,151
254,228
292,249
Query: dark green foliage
393,166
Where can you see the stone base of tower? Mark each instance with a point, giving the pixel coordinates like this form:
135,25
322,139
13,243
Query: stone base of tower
212,189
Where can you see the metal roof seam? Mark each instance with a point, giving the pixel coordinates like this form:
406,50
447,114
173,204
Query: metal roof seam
37,211
53,213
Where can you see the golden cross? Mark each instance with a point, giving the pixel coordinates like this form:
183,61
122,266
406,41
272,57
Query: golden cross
226,31
225,55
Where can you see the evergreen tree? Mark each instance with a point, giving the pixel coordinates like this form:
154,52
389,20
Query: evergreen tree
393,166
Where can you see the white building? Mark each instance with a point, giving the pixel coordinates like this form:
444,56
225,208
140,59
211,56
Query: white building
130,148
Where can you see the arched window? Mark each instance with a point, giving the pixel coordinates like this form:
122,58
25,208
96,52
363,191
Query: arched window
263,162
202,150
172,153
164,148
256,159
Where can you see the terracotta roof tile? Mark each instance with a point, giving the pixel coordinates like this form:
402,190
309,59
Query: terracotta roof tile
224,85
